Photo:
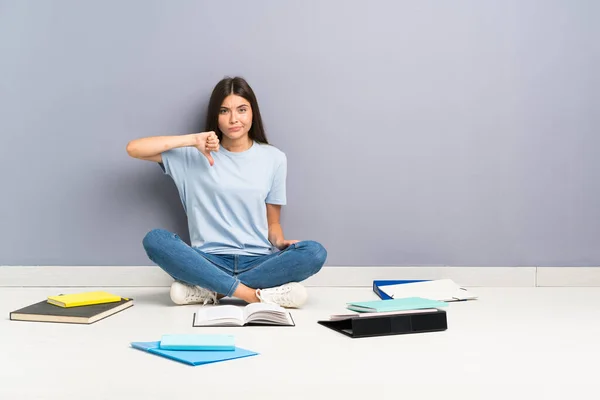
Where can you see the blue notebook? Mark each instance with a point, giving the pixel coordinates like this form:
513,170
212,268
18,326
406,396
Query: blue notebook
214,342
192,357
408,303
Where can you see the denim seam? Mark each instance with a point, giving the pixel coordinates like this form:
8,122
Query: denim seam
233,287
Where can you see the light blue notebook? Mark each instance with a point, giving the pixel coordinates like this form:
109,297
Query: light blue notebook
408,303
192,357
198,342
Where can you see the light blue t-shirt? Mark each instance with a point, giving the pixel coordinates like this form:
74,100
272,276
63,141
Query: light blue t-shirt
226,203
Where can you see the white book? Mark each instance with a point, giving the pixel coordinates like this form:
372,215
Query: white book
252,314
441,289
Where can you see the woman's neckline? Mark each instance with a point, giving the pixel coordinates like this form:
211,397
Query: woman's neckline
239,153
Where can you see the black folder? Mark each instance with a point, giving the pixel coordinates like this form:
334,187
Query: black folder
397,324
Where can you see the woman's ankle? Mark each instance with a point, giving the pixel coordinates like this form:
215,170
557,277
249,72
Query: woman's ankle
245,293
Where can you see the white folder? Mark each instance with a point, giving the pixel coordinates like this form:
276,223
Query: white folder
441,289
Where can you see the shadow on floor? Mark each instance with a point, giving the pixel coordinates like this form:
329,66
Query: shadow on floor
162,298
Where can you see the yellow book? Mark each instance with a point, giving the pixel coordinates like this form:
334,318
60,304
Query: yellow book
83,299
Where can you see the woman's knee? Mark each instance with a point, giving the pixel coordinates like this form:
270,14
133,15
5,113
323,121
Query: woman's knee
155,238
316,253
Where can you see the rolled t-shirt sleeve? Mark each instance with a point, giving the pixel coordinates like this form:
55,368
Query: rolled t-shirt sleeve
277,193
175,161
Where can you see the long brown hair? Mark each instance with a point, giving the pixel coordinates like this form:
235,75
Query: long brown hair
239,87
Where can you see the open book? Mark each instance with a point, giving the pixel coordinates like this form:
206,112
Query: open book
252,314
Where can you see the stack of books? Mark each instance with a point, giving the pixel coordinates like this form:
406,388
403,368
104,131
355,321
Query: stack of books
195,349
75,308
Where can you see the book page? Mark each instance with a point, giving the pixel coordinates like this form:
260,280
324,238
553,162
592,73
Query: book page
256,307
267,313
219,315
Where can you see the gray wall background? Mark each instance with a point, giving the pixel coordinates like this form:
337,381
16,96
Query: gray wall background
417,132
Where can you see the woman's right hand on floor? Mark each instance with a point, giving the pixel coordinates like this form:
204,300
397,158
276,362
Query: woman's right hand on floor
207,142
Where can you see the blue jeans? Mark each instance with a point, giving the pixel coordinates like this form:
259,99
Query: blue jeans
223,273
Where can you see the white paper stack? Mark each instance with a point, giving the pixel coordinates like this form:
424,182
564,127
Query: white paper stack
442,290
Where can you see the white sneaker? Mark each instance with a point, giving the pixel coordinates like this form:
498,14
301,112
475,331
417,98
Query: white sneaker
182,293
291,295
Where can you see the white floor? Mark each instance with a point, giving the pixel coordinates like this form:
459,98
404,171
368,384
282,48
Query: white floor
511,343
